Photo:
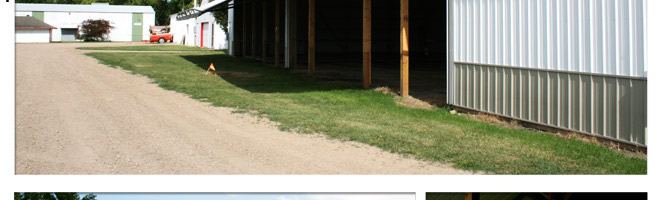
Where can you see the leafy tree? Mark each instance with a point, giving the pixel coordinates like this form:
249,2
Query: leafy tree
221,15
52,196
94,30
67,196
90,196
38,196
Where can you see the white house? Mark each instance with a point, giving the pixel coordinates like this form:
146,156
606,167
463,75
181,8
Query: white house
131,22
198,30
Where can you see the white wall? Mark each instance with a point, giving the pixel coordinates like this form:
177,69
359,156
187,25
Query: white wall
33,36
179,29
149,19
594,36
121,21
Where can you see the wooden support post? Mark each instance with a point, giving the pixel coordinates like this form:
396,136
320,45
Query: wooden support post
292,34
311,37
264,31
253,4
277,35
244,15
367,43
467,196
404,48
294,50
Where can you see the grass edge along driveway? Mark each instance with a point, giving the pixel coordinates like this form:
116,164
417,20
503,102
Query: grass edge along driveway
150,47
371,117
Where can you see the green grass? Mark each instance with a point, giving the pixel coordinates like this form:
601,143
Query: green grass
374,118
153,47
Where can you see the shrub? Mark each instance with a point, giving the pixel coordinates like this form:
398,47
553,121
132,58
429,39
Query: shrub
94,30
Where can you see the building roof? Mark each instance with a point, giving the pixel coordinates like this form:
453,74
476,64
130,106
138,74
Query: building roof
94,8
197,11
31,23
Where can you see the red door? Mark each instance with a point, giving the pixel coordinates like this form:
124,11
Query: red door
202,34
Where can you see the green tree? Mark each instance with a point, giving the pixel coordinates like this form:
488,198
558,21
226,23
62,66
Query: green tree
90,196
52,196
221,15
94,30
67,196
38,196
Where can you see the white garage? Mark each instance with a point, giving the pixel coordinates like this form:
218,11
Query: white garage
31,30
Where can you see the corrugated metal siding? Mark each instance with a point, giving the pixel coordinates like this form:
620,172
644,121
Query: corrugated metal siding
606,106
570,64
596,36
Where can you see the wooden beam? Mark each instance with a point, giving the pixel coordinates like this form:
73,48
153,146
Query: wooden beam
311,37
244,15
290,34
264,31
367,43
294,54
404,48
253,4
277,34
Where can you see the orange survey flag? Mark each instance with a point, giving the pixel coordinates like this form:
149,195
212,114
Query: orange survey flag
212,67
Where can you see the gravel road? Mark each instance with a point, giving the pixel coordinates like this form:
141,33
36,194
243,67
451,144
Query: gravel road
76,116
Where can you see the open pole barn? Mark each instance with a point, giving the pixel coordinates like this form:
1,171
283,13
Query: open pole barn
577,66
131,22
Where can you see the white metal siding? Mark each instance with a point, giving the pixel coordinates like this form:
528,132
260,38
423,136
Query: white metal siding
578,65
148,21
594,36
33,36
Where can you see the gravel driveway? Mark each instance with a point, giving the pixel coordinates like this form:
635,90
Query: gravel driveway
76,116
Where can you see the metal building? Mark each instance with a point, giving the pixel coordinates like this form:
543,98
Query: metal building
571,65
131,22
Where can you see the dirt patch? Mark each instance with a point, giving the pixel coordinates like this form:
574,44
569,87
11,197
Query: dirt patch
412,102
385,90
409,101
496,120
626,149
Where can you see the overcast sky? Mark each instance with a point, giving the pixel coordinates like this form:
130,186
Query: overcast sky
249,196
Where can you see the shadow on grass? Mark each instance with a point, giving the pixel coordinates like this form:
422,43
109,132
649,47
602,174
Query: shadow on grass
258,78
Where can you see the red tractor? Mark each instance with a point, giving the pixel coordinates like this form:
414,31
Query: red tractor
160,34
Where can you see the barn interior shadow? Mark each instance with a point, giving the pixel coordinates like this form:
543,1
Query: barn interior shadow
255,77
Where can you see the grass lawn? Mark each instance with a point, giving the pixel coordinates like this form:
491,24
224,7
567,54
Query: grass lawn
152,47
372,117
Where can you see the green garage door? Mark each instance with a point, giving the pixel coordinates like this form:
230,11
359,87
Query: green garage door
137,31
38,14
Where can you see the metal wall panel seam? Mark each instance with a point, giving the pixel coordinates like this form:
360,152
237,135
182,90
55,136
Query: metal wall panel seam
618,108
553,70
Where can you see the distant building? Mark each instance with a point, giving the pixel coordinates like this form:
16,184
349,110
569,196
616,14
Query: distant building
200,28
32,30
131,22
